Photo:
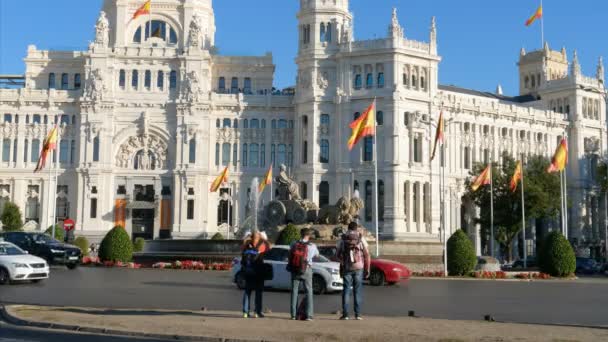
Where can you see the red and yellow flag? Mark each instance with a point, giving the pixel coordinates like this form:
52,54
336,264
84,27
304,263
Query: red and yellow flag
537,15
484,178
363,126
50,144
439,136
516,177
266,181
144,9
221,179
560,159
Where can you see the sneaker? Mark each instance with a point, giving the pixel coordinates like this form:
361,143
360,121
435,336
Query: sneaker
358,318
344,318
245,315
293,318
309,319
259,315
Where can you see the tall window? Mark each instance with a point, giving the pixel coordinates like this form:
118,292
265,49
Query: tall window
290,155
190,210
96,149
73,151
414,81
173,79
226,154
406,79
93,213
368,201
52,80
134,79
221,84
64,120
137,36
192,151
467,157
380,118
262,155
486,156
322,32
121,78
282,154
244,159
31,209
64,147
305,152
65,82
254,123
254,155
368,149
15,150
6,150
380,80
147,79
369,80
217,154
273,154
160,80
234,85
328,29
304,190
323,194
425,202
77,81
380,200
357,81
324,158
35,150
247,86
325,120
226,123
8,118
417,149
235,154
25,147
416,205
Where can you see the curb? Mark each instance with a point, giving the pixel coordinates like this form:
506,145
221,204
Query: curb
7,317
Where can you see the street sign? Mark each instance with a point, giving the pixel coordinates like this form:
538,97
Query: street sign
69,224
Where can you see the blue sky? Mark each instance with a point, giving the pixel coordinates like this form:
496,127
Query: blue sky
479,40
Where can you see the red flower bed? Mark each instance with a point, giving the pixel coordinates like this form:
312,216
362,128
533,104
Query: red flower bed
489,275
532,276
177,265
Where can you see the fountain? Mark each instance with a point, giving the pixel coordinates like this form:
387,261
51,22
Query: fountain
251,220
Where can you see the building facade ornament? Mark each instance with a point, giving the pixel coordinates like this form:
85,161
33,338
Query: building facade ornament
94,86
102,30
194,33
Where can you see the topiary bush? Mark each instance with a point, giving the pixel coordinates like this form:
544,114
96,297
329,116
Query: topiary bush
217,236
116,246
288,235
11,217
556,256
59,233
461,254
138,244
82,243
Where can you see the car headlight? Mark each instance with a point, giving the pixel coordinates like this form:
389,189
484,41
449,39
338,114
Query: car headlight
19,265
332,270
397,269
57,251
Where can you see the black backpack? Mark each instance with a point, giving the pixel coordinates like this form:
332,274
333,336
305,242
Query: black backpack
250,258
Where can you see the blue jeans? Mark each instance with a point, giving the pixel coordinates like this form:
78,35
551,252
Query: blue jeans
306,279
253,284
353,280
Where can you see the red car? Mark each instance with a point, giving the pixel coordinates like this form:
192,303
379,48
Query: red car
382,271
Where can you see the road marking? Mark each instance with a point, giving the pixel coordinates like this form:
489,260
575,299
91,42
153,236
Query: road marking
14,340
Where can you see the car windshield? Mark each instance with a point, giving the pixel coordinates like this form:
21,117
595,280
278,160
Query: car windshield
43,238
6,249
320,258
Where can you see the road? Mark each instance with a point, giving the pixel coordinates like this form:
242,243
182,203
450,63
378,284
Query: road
547,302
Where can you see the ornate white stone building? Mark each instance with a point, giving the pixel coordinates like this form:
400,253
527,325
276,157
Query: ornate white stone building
149,120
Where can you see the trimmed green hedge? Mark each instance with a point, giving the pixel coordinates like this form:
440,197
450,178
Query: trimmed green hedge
556,256
82,243
288,235
11,217
116,246
217,236
461,254
138,244
59,233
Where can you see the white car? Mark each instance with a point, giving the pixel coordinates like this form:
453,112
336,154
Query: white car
326,274
17,265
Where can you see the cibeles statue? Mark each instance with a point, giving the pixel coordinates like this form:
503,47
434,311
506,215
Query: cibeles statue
288,189
102,30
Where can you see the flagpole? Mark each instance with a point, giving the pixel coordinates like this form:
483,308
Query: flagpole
375,140
523,214
491,211
442,211
561,193
566,203
542,25
57,149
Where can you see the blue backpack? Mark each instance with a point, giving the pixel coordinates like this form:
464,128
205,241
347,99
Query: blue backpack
250,258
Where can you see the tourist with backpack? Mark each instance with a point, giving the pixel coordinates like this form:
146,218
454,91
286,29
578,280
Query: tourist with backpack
252,265
354,257
301,255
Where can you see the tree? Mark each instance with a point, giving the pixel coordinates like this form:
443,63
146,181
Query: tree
59,233
556,256
288,235
217,236
116,246
82,243
11,217
461,254
542,199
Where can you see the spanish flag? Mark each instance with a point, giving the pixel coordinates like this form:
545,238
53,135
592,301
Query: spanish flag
50,143
363,126
484,178
144,9
560,159
221,179
537,15
439,137
267,180
516,177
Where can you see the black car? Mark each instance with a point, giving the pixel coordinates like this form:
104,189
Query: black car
44,246
587,266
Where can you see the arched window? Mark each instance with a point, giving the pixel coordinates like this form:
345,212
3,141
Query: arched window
380,200
64,147
65,83
245,123
305,152
134,79
64,120
255,123
368,201
323,194
35,150
369,80
234,85
137,36
527,82
218,123
221,86
324,157
282,154
227,123
192,151
357,81
254,155
244,159
52,80
304,190
25,147
368,149
226,154
77,81
46,119
414,81
247,86
282,124
173,79
533,82
96,149
328,29
217,154
235,123
273,124
422,82
159,30
121,78
380,118
263,123
160,80
380,80
322,33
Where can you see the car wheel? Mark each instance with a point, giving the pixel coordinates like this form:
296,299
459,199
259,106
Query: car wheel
72,266
376,278
318,285
4,277
240,281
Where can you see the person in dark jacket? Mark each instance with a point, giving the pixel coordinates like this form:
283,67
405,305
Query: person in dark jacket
254,248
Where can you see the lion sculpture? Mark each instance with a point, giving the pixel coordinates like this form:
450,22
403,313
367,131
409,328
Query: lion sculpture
344,212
